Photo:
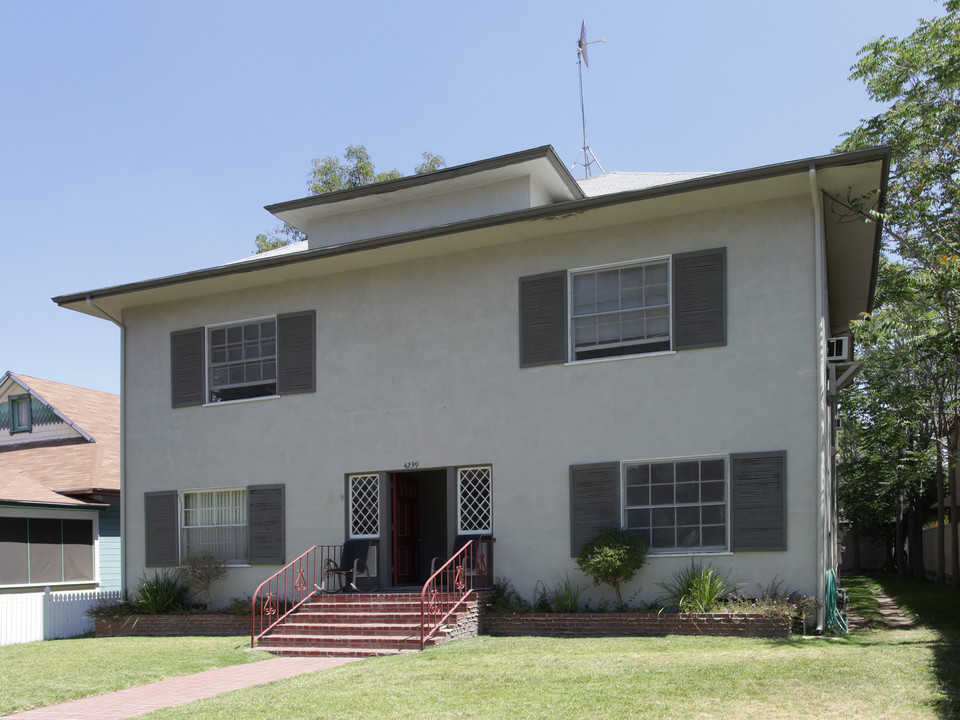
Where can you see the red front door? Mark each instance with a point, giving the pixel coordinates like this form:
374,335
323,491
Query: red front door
406,531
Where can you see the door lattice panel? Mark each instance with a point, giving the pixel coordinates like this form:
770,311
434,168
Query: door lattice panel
473,487
364,506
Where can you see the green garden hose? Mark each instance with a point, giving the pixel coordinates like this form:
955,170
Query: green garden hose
836,619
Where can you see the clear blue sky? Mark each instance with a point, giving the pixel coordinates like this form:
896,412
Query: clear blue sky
141,139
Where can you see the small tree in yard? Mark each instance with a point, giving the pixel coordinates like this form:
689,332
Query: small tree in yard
612,557
201,571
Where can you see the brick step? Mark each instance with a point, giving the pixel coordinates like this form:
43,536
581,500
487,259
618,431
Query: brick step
331,652
357,625
318,629
337,615
373,642
366,598
361,605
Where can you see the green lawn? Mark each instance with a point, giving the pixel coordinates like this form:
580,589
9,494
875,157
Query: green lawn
874,673
44,673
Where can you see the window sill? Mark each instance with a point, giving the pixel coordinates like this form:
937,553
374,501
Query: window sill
615,358
706,553
51,585
243,400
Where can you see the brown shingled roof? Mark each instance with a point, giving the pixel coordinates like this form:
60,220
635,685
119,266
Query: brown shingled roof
40,472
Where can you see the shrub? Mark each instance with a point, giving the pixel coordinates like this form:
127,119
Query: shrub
565,596
697,588
110,610
613,557
239,606
200,571
776,601
504,599
161,594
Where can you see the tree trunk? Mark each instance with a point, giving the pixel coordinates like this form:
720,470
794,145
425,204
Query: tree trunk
954,527
855,539
915,539
900,549
941,534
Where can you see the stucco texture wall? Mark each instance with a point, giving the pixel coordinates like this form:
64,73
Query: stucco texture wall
418,362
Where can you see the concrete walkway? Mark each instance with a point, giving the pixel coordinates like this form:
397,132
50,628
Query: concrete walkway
177,691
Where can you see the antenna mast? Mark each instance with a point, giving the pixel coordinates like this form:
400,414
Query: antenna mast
585,152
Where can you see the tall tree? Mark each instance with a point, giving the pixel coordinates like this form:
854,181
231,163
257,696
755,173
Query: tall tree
917,79
332,174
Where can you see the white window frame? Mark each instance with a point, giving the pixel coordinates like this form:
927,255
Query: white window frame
484,531
209,363
350,481
571,317
183,527
677,550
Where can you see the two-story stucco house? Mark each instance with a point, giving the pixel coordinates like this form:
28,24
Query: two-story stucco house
496,348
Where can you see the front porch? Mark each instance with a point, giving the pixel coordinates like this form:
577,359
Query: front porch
305,609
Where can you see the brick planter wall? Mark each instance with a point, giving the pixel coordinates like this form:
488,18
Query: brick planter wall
600,624
170,625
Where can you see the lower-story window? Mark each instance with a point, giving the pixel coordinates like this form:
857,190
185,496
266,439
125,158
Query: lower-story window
677,506
215,522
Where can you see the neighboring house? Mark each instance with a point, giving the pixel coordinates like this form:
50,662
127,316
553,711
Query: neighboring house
498,349
59,486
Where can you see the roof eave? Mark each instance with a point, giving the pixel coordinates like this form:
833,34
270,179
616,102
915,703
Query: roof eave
82,301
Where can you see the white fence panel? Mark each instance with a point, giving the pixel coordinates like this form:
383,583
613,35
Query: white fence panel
21,618
46,616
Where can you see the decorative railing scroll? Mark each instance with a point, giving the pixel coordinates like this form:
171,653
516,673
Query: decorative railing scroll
286,590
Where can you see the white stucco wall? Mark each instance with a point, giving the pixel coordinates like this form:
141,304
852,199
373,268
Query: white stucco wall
418,362
388,218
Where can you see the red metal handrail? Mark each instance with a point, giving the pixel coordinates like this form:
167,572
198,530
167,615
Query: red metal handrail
449,587
286,590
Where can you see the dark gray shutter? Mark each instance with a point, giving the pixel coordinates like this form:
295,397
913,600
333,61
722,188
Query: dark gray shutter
161,528
265,520
758,497
700,299
296,352
594,501
543,319
186,367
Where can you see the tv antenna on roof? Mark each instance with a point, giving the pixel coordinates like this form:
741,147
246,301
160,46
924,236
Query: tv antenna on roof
585,152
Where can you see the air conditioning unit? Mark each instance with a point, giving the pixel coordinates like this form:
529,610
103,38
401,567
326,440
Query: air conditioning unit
838,349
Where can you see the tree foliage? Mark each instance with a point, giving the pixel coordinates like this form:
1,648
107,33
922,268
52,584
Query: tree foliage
613,557
331,174
896,416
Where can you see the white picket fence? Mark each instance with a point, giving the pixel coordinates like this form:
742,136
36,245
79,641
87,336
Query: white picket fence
29,617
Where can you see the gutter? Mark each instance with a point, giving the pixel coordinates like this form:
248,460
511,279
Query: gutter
123,448
820,260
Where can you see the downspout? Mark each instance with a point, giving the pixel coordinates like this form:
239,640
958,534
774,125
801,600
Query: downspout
123,448
822,437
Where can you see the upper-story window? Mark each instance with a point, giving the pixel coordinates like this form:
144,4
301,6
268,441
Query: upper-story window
621,310
625,309
21,419
261,357
242,360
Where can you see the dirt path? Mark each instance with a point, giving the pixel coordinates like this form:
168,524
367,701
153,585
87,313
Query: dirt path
893,618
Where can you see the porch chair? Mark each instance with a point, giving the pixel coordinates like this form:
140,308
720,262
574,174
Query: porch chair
353,563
